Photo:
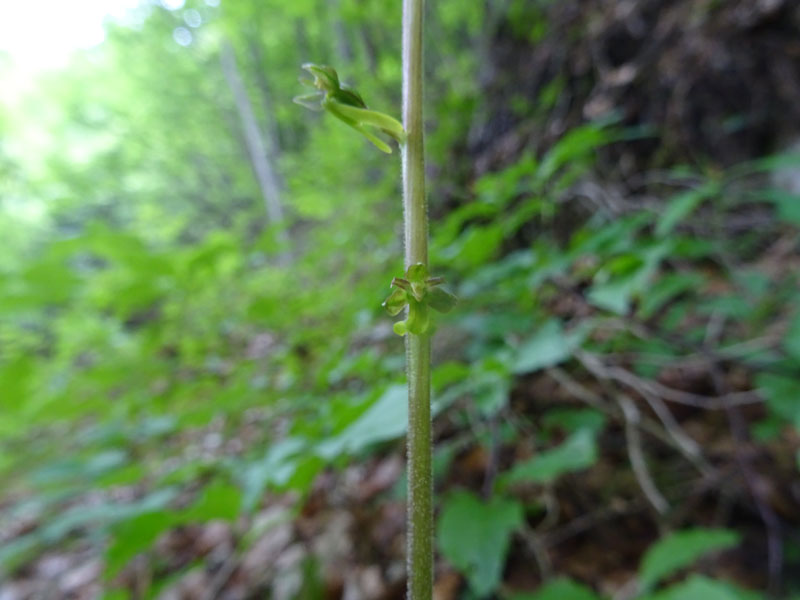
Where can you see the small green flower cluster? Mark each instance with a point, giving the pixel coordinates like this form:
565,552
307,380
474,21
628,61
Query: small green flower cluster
420,292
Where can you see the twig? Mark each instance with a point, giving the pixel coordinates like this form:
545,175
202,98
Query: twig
595,366
491,467
589,520
636,455
222,576
684,442
673,438
534,543
770,519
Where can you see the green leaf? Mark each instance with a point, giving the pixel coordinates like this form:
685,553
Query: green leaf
218,500
134,536
680,549
549,346
781,394
682,205
698,587
627,276
578,452
559,589
666,288
385,420
572,420
474,536
786,203
575,146
791,341
276,467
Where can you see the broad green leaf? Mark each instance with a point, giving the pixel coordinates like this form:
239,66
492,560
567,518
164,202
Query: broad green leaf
491,390
667,288
17,552
559,589
474,536
135,536
627,276
615,295
679,550
577,144
277,467
781,394
786,203
385,420
682,205
549,346
791,341
218,500
578,452
698,587
476,246
572,420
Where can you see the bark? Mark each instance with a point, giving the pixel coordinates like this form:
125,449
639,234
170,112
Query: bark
256,142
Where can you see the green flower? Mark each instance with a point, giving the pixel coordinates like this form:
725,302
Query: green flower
420,293
347,105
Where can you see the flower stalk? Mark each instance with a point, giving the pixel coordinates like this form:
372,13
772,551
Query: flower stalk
418,346
417,291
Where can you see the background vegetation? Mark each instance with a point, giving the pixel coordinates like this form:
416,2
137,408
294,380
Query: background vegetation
201,396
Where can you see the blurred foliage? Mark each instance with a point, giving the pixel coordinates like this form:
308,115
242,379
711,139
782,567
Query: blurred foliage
170,354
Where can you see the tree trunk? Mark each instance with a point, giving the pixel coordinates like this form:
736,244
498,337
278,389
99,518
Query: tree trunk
257,145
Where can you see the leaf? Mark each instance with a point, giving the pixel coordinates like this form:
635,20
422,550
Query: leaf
781,394
218,500
578,452
698,587
666,288
787,204
278,465
549,346
475,246
572,420
680,549
575,145
491,390
385,420
559,589
134,536
474,536
627,276
682,205
791,341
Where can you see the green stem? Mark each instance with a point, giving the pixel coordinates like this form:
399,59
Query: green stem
418,348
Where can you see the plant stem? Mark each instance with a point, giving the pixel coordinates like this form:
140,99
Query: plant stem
418,347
